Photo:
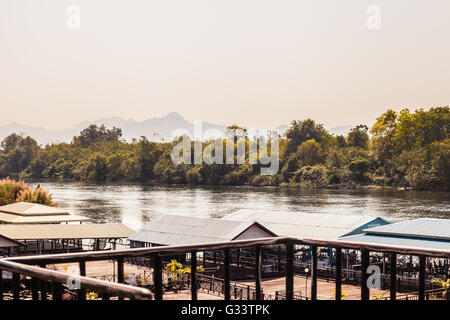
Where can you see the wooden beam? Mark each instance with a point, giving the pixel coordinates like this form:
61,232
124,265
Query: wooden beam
289,272
227,286
314,273
338,274
393,272
258,272
365,260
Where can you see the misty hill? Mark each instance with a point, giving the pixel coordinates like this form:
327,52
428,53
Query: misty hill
155,129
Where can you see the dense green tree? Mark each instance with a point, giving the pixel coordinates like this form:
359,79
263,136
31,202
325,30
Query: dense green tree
358,137
406,149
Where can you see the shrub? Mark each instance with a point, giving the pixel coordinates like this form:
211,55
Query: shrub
12,191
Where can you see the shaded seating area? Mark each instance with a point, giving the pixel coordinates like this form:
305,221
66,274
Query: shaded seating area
63,238
9,246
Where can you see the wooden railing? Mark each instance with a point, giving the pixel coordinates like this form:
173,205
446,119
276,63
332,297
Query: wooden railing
26,266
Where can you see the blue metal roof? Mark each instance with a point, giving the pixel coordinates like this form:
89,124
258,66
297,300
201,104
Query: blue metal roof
423,228
399,241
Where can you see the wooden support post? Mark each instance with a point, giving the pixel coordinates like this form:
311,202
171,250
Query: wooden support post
16,286
258,272
157,276
365,260
289,272
314,273
204,259
338,274
226,253
193,275
393,286
238,262
422,275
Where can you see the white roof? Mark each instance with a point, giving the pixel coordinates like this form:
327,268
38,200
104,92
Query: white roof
32,209
19,219
307,225
65,231
184,230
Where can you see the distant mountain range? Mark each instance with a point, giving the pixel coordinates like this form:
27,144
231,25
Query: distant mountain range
155,129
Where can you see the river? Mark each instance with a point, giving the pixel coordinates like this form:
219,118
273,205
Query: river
135,204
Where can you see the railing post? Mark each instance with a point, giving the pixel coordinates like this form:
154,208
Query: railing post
289,272
422,261
82,267
43,285
16,286
120,272
1,285
157,276
338,274
365,293
314,273
226,253
34,288
194,275
57,290
393,286
258,272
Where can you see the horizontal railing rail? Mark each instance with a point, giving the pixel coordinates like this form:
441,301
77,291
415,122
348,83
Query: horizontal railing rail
59,278
23,265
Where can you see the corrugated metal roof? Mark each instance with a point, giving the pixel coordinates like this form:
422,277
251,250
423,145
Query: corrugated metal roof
300,225
406,242
32,209
65,231
425,228
18,219
176,230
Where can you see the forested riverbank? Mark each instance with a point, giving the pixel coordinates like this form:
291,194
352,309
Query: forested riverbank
402,149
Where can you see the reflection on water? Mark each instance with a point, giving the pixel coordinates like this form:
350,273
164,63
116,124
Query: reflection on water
135,204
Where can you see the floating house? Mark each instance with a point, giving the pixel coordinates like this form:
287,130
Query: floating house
423,233
52,238
184,230
307,225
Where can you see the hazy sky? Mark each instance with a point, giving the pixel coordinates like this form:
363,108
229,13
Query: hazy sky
256,62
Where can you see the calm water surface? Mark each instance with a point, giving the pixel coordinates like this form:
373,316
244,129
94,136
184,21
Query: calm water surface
135,204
